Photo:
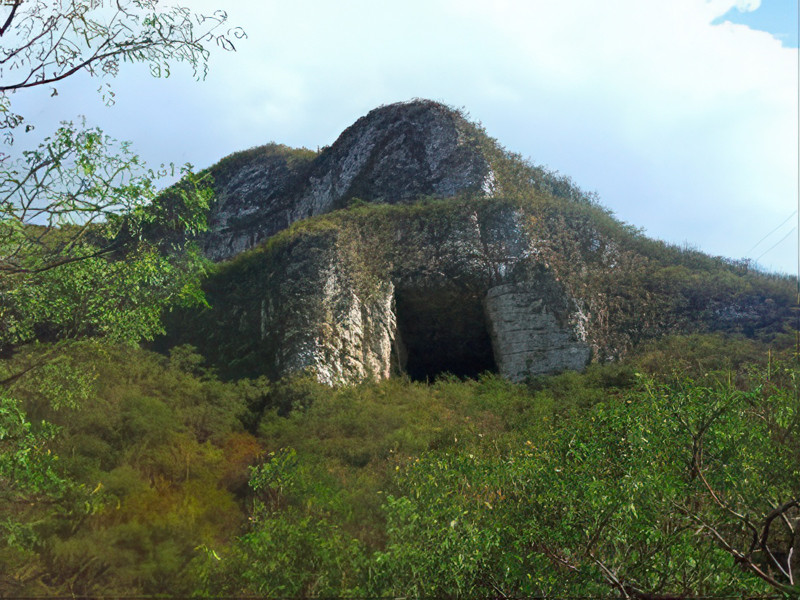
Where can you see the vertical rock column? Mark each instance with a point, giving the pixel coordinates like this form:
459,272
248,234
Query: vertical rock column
312,317
355,340
528,336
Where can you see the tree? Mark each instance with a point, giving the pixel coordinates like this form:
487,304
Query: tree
682,489
47,41
86,250
75,256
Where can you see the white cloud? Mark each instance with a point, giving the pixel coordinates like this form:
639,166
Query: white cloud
685,128
747,5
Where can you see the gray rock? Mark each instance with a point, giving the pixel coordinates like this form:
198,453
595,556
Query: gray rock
395,154
421,292
534,284
527,335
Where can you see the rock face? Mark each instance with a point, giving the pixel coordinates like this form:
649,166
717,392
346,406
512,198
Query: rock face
395,154
431,272
311,318
529,335
416,290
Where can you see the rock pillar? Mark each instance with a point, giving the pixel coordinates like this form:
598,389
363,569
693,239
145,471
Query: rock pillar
528,337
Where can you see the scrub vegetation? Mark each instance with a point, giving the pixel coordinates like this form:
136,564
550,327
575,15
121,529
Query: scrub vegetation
673,472
669,469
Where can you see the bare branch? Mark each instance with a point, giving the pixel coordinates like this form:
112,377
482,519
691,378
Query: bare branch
744,560
764,540
10,18
50,44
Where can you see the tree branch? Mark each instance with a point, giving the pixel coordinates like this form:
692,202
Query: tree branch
10,18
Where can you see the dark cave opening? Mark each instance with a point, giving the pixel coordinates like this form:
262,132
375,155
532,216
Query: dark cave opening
442,330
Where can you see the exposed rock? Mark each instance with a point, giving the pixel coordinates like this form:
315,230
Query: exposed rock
528,336
395,154
537,283
255,194
295,309
421,291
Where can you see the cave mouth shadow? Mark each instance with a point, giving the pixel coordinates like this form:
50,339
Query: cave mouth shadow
442,330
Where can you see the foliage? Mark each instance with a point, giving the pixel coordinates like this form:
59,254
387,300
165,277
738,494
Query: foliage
81,197
671,490
291,549
83,255
27,467
45,42
74,254
602,483
151,463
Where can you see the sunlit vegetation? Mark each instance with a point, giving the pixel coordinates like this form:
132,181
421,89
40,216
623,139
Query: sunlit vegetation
624,478
669,468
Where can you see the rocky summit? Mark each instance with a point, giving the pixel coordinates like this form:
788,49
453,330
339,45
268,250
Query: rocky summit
415,245
397,153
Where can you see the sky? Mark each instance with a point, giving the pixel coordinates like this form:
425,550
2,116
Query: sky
680,114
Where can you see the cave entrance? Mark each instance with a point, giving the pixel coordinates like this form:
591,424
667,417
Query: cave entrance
442,330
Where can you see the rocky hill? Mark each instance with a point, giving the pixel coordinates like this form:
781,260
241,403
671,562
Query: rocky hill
415,244
397,153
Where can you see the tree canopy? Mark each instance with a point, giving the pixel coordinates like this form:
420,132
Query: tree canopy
75,256
83,250
43,42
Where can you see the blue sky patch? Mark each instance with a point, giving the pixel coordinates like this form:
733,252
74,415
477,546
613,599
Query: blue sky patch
777,17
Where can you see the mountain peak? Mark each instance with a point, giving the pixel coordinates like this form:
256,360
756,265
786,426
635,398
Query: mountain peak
515,270
397,153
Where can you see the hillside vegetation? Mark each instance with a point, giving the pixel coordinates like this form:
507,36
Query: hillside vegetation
668,468
646,475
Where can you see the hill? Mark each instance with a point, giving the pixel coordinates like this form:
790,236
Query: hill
663,462
417,245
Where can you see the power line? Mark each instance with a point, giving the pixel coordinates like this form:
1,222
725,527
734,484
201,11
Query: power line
770,233
777,244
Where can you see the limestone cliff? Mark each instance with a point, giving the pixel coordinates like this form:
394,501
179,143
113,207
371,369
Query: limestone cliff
458,258
395,154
